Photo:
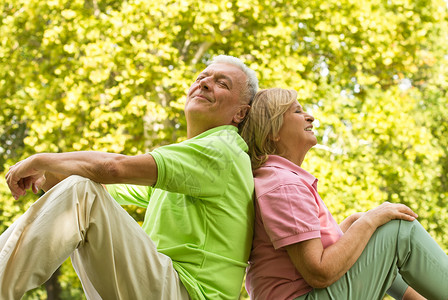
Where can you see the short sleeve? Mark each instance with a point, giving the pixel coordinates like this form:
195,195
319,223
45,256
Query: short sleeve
126,194
198,167
290,215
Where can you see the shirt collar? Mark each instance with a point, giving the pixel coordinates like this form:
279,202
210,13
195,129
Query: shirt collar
215,129
231,135
282,163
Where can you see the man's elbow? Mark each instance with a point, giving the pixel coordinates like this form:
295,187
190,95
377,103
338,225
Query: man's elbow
110,171
139,169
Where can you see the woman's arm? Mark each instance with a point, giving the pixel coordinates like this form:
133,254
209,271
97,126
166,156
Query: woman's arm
347,222
321,267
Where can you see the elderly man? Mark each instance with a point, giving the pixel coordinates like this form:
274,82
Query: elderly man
197,233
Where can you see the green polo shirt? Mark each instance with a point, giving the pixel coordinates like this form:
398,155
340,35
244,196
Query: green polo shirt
200,212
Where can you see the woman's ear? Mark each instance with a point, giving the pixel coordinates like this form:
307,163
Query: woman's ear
241,113
272,138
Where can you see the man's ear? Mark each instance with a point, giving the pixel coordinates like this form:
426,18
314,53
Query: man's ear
241,113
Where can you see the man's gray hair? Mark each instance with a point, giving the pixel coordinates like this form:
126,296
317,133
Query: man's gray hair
252,80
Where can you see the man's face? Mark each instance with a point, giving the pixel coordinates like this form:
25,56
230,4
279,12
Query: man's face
215,97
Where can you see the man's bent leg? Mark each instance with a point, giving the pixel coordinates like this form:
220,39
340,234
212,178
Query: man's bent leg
38,242
75,214
120,261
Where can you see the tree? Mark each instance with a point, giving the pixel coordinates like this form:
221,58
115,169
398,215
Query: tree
112,76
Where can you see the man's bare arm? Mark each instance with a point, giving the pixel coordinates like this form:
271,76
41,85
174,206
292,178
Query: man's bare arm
101,167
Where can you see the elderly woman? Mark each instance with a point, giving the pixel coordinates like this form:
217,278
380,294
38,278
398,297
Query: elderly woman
299,251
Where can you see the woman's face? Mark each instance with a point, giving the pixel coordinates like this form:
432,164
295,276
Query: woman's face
296,136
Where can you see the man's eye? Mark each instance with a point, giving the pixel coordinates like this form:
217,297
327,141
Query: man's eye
223,84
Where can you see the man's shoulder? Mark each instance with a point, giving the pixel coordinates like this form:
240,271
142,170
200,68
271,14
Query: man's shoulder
220,132
222,137
221,145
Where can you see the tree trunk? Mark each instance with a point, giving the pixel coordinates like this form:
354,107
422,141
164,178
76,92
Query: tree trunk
53,287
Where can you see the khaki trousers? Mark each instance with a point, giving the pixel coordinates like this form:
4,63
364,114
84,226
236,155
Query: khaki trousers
113,257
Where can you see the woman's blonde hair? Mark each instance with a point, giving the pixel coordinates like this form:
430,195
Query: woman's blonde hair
264,121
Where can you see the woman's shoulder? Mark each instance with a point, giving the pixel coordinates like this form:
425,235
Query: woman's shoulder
274,174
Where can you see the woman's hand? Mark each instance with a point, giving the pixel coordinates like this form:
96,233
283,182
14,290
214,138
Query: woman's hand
386,212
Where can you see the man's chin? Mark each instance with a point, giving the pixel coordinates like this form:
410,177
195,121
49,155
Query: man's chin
198,107
195,111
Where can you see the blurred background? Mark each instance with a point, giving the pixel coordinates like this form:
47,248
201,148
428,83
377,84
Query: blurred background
113,75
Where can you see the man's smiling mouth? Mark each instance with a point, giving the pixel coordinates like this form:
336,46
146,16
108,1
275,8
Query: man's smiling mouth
203,97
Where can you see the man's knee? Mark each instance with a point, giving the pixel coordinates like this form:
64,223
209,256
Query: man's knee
76,188
76,181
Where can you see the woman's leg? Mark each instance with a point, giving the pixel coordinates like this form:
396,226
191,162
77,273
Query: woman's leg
398,288
422,264
396,246
114,257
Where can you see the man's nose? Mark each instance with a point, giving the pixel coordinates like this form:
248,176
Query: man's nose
204,84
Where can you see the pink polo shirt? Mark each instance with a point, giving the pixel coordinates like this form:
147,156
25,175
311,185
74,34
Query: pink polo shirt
288,210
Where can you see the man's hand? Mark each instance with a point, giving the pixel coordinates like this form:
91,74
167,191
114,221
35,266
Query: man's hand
23,176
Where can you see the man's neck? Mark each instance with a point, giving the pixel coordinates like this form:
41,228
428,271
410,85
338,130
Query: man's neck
192,132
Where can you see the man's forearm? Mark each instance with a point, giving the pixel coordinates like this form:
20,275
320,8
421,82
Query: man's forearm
89,164
102,167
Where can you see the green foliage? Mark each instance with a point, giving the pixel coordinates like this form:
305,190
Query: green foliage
112,76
